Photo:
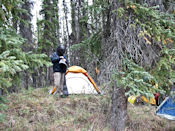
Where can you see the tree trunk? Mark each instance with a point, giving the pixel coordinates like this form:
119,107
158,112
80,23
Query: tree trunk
75,36
25,29
49,39
118,114
26,32
65,8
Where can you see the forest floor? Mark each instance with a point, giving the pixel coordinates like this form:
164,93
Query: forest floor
36,110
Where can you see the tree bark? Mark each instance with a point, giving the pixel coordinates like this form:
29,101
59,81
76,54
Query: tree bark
26,32
118,113
65,8
75,36
25,29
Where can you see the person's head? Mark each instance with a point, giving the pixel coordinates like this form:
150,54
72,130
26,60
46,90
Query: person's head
61,50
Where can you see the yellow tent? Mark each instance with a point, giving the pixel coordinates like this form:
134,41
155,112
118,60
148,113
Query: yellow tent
79,82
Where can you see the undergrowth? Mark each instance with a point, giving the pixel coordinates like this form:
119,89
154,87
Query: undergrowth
36,110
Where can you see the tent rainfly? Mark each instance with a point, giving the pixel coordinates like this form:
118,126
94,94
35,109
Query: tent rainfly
167,108
79,82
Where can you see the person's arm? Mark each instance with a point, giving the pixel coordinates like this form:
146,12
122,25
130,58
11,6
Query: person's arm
54,57
66,61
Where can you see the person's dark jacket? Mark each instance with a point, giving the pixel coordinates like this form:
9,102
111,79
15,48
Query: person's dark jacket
57,67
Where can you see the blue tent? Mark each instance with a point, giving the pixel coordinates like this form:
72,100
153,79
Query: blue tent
167,108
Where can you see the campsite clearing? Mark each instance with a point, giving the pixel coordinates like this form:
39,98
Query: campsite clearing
35,109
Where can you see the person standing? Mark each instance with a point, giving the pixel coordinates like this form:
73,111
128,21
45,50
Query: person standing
60,64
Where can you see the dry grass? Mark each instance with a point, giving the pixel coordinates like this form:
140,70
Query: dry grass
36,110
143,118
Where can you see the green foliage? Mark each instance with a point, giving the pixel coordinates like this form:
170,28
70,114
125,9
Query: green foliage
155,25
94,13
48,27
163,71
13,60
97,7
136,80
9,63
10,11
90,46
120,12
